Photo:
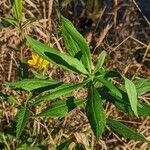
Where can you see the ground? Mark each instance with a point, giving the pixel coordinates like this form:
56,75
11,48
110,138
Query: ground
121,29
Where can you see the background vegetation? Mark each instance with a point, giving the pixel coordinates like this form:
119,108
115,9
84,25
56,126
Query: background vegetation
121,28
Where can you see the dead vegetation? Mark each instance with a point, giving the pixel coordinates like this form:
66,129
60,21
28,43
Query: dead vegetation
121,29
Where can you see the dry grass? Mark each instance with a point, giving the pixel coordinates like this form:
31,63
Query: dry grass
122,41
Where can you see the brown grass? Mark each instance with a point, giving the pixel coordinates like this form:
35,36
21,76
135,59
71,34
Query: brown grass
120,38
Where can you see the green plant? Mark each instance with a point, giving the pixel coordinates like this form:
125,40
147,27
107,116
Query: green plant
96,79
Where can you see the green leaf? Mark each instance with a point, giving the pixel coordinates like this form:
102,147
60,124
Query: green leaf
32,84
63,90
32,147
123,103
53,55
61,108
70,44
12,21
4,24
77,40
132,94
100,62
142,86
124,131
95,112
9,99
22,119
38,75
17,9
110,86
64,145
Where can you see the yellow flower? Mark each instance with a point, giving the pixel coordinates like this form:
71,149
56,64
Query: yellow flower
37,62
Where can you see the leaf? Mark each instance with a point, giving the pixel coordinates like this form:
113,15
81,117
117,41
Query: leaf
124,105
110,86
4,24
17,9
95,112
12,21
66,89
53,55
32,84
77,38
100,62
70,44
124,131
142,86
22,119
132,94
9,99
38,75
61,108
32,147
64,145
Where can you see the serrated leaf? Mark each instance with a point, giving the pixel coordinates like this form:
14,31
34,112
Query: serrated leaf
22,119
32,84
95,112
110,86
53,55
100,61
61,108
142,86
132,95
124,131
71,45
77,38
9,99
66,89
17,9
123,103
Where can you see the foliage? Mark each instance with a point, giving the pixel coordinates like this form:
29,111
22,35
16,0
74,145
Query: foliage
98,81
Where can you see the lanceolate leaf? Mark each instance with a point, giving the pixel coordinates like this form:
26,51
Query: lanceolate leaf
61,108
53,55
124,105
59,92
100,61
124,131
132,94
79,40
70,44
142,86
110,86
95,112
22,119
17,9
32,84
9,99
